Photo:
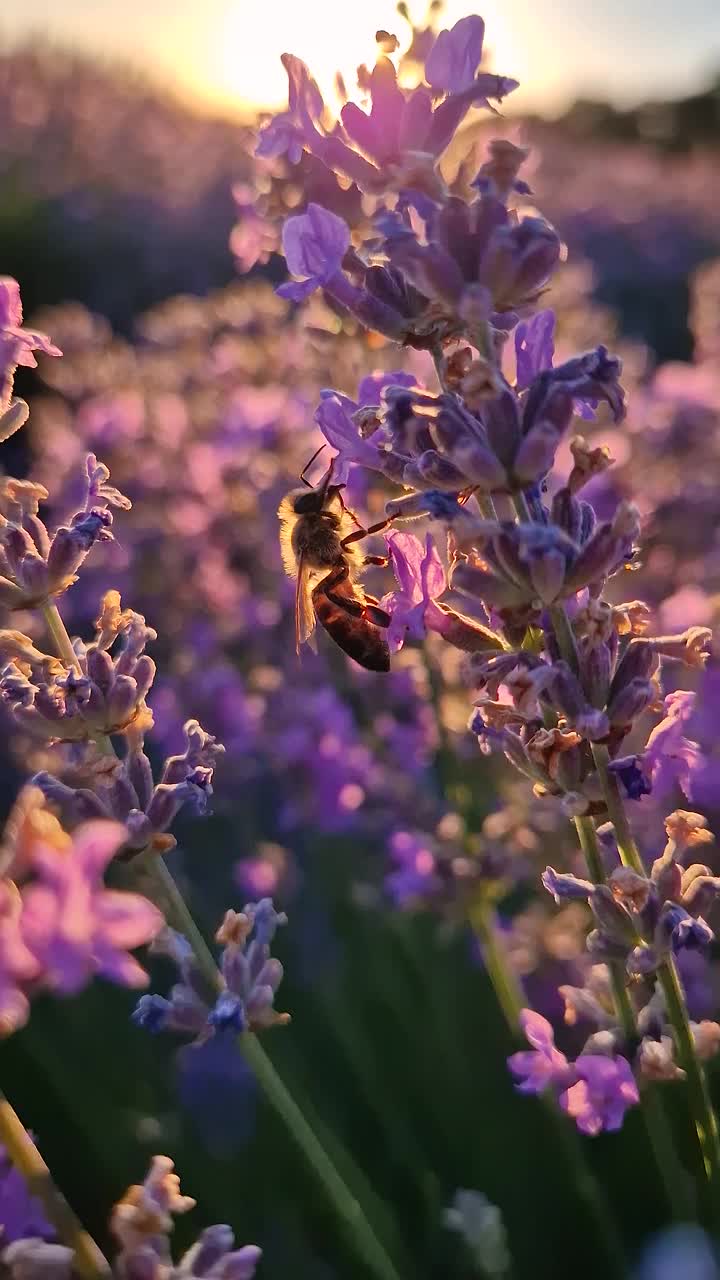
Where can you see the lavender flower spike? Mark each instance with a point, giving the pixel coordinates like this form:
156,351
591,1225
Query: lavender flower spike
143,1221
250,978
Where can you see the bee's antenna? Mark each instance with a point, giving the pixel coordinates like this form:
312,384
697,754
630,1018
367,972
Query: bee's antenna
308,465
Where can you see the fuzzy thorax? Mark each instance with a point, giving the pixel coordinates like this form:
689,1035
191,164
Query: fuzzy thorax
316,538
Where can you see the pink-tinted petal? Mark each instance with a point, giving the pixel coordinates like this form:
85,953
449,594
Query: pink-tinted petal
96,843
432,571
10,305
406,553
39,917
537,1030
416,120
126,920
14,1008
577,1103
119,967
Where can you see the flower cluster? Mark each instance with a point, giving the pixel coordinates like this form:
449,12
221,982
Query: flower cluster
248,979
596,1089
141,1224
60,925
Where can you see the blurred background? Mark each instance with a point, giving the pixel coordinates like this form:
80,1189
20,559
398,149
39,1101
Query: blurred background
127,213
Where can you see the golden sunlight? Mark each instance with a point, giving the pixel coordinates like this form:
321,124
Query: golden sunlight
244,66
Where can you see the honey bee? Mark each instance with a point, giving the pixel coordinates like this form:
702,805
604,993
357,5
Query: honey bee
319,540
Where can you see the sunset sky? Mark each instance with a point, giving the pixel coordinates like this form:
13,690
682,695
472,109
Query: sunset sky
226,52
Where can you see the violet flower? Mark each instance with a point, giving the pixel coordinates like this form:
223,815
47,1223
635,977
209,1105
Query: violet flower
455,56
421,579
414,608
248,977
670,758
16,343
415,878
596,1090
72,925
124,789
344,424
534,348
314,244
290,132
18,965
543,1066
604,1091
36,564
21,1215
405,132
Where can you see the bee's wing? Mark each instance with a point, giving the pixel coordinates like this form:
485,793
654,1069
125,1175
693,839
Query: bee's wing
304,609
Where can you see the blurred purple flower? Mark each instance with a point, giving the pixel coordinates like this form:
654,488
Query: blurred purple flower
416,877
18,966
538,1068
596,1090
669,757
600,1097
16,343
74,926
21,1215
314,244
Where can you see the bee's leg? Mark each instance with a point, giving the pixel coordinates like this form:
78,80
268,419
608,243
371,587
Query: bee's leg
365,533
308,465
383,561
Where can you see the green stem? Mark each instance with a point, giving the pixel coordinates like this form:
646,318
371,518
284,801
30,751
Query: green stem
706,1125
565,637
522,508
437,357
89,1261
60,637
487,506
507,988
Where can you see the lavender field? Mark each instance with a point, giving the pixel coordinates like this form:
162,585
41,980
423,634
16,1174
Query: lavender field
360,707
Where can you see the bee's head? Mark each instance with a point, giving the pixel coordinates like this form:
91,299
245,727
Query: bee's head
323,497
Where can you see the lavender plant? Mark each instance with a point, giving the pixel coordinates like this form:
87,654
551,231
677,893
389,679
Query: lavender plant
513,585
563,674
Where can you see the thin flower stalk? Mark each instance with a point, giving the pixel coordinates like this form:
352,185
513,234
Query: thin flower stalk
89,1261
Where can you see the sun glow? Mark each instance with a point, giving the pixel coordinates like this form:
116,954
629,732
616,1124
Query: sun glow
330,36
